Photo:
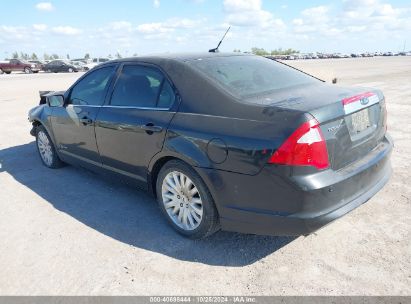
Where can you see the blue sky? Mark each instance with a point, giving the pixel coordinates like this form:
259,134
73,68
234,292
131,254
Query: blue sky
152,26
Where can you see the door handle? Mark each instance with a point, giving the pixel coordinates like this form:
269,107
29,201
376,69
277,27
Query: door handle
150,128
86,121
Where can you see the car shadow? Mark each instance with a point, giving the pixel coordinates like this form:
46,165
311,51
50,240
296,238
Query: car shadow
128,215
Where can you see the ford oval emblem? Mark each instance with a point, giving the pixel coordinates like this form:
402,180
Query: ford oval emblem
364,101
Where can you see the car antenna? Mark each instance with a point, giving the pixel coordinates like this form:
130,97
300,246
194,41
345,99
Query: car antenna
216,49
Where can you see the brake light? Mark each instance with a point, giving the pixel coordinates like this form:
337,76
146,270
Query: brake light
305,147
384,123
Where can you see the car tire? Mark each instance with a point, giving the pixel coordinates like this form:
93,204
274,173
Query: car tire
46,149
1,72
27,70
35,72
70,70
8,73
185,201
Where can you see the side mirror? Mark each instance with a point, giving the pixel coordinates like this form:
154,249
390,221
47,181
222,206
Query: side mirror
55,100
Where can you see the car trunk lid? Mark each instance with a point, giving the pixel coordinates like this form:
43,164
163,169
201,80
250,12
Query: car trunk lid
352,120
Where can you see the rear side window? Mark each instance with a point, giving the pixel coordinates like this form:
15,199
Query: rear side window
92,88
141,86
247,76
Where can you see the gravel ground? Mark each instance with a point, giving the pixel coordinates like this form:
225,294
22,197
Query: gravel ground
69,232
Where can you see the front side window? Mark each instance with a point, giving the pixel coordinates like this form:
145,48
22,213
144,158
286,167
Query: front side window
92,88
141,86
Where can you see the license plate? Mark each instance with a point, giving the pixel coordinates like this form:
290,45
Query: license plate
360,121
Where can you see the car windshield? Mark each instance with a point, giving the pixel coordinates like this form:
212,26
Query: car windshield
247,76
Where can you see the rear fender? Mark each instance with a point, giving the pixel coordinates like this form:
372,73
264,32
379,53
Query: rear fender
183,148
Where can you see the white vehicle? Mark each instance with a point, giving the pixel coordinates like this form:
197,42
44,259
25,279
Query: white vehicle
96,61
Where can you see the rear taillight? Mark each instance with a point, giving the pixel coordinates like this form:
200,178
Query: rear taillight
384,123
305,147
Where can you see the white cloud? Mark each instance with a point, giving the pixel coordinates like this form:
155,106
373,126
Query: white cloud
352,24
169,25
249,13
184,23
298,21
40,27
318,10
45,6
66,30
232,6
120,25
155,27
156,3
356,20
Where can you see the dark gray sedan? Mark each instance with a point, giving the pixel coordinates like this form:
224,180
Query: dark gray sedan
58,66
228,141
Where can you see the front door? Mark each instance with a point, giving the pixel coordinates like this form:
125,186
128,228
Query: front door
73,124
131,129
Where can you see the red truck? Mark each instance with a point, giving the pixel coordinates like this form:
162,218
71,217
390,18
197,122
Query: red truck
18,65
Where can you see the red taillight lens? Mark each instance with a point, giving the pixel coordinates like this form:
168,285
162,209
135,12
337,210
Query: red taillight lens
385,113
305,147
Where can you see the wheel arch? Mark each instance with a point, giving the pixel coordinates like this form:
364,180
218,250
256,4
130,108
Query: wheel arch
206,174
39,118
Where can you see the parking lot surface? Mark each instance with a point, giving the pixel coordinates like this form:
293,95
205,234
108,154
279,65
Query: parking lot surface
69,232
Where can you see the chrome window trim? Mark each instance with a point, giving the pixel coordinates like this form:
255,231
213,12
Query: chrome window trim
120,107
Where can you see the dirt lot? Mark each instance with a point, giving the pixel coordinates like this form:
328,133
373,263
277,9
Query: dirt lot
68,232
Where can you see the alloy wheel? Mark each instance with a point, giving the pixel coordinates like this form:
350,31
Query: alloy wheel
182,200
45,148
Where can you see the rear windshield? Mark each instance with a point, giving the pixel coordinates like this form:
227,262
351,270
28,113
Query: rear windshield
248,76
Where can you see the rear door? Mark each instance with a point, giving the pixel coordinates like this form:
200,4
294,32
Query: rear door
15,65
73,124
130,130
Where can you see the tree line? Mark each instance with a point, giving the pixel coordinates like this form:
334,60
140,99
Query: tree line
34,56
276,52
254,50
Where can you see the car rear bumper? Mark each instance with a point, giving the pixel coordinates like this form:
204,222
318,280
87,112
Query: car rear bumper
274,204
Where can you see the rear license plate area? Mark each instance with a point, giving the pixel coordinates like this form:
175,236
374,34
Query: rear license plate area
360,121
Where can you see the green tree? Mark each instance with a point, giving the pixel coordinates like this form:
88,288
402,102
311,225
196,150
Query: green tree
87,56
259,51
46,56
15,55
280,51
55,56
34,56
68,56
24,56
118,55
